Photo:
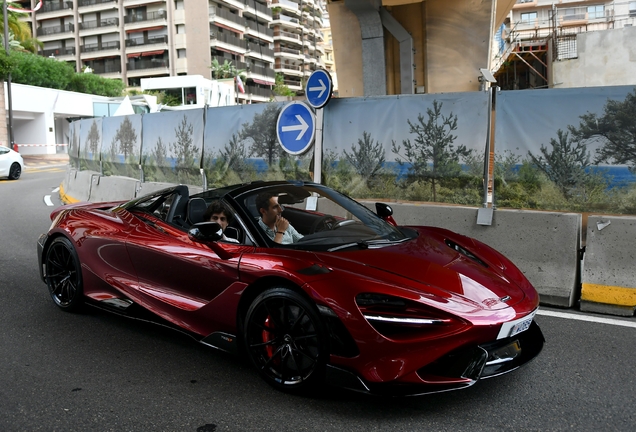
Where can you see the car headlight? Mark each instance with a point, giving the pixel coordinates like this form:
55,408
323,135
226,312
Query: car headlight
399,318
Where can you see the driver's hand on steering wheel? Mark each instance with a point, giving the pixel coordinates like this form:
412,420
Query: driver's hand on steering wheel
281,224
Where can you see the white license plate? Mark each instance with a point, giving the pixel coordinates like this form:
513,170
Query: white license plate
520,327
513,328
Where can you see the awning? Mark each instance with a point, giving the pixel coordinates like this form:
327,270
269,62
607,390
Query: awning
151,53
233,30
267,83
227,50
132,55
145,29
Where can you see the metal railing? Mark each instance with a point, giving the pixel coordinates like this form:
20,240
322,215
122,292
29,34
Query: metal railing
145,16
225,14
255,5
58,52
99,46
93,2
228,38
109,22
104,68
46,31
146,41
56,6
261,28
134,64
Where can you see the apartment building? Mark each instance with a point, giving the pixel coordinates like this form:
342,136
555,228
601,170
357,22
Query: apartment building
135,39
539,33
327,45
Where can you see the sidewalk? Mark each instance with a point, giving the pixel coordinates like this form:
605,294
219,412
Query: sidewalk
45,160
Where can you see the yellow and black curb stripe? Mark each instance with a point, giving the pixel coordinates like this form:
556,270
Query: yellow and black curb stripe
610,295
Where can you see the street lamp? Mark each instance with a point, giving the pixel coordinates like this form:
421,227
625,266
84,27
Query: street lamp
6,47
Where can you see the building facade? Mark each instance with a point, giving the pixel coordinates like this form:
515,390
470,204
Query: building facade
541,42
135,39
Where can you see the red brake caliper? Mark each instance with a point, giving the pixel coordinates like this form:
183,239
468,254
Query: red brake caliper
267,337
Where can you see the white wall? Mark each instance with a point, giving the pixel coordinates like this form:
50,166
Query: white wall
605,58
35,110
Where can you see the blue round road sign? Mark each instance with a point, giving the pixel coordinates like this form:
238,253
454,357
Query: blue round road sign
295,128
319,88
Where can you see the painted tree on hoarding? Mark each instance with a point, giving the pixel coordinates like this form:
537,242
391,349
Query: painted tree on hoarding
616,127
183,148
160,153
262,132
565,164
367,159
127,138
432,155
234,154
92,140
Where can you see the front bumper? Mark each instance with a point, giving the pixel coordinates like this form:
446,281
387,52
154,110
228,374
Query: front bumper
456,370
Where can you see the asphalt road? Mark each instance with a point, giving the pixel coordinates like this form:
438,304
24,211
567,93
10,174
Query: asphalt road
99,372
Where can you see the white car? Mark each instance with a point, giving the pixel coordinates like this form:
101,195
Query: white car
11,163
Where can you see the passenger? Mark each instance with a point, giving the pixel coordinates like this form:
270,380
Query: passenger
272,222
219,213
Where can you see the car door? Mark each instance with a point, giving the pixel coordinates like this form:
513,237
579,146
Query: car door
176,271
5,161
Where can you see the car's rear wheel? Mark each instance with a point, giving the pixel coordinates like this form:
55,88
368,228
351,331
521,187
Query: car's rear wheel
15,171
64,275
286,340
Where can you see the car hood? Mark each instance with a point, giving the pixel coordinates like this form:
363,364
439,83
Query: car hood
439,259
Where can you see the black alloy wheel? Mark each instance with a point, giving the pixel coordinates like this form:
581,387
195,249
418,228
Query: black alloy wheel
15,171
286,340
64,275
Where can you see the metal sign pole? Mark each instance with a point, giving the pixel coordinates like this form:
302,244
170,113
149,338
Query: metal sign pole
9,101
318,147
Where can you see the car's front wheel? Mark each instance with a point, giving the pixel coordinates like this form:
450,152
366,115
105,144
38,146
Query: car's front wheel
63,275
15,171
285,339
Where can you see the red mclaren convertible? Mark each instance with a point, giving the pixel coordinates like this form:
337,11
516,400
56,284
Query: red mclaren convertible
356,300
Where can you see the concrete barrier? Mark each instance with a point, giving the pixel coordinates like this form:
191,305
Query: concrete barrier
544,245
76,186
112,188
608,282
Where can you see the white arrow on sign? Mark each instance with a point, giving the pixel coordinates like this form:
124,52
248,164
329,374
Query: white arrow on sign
302,127
322,88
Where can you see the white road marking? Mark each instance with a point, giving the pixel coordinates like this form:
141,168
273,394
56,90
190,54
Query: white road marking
57,189
587,318
47,200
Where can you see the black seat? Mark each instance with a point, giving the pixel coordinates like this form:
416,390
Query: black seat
196,210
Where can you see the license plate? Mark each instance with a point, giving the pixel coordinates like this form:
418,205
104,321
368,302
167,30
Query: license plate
520,327
512,328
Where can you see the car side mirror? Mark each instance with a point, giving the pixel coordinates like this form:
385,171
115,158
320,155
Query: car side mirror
206,232
385,212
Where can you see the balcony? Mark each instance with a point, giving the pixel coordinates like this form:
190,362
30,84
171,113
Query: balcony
228,42
54,30
59,52
254,8
86,48
285,52
101,67
286,21
56,6
81,3
258,51
88,25
145,16
150,40
286,5
287,36
144,65
260,31
227,18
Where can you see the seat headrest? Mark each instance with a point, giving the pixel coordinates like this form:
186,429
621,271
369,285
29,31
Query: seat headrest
196,210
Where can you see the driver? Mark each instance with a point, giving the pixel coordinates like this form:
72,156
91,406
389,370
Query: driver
275,226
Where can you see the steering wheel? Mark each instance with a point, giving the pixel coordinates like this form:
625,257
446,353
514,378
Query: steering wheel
323,223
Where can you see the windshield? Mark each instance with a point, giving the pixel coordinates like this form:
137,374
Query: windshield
321,217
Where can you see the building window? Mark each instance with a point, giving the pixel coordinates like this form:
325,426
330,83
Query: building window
181,53
596,12
632,9
528,17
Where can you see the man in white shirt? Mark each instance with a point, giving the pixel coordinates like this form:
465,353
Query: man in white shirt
272,222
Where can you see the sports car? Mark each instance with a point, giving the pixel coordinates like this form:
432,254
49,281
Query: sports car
357,300
11,163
